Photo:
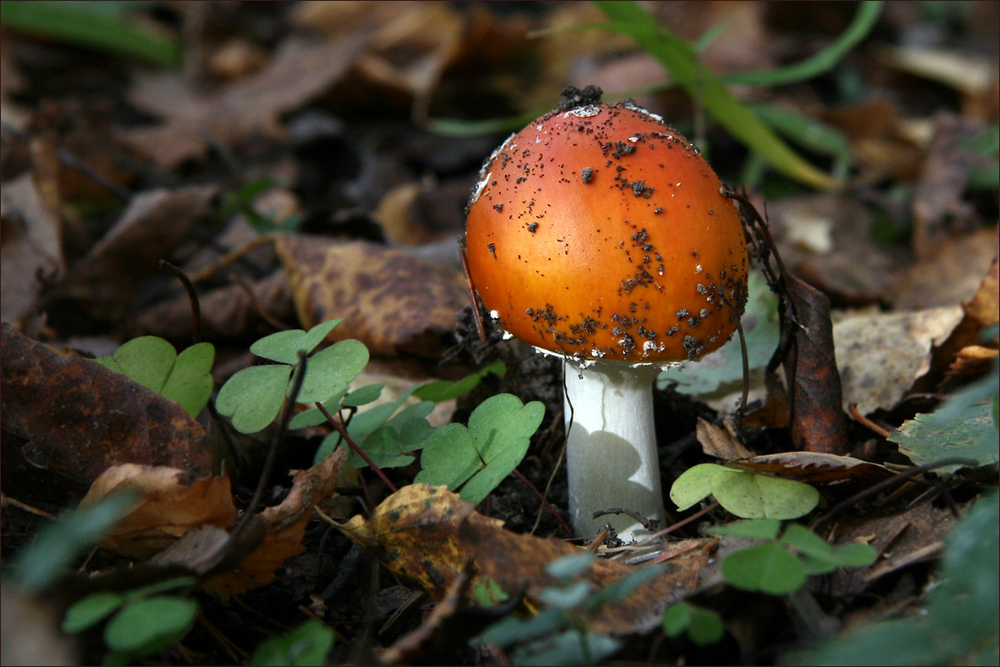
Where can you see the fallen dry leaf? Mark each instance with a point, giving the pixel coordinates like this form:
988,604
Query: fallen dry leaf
67,419
31,252
391,302
300,70
427,533
718,442
818,469
285,528
950,276
167,508
818,420
881,355
154,223
229,312
415,532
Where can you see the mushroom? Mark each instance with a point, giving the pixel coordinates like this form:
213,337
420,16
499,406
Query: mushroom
600,234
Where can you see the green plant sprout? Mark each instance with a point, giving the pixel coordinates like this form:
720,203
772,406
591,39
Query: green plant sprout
474,458
253,396
559,634
307,644
155,364
782,564
746,494
703,626
140,622
241,201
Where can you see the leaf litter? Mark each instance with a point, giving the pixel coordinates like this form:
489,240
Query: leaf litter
331,103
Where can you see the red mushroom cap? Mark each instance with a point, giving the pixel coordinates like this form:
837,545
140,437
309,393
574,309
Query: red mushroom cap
601,232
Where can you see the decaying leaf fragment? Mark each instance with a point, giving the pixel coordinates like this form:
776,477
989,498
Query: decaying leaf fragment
427,533
67,419
391,302
167,508
286,526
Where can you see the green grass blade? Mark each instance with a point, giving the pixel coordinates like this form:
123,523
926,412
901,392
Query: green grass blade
680,59
865,19
89,25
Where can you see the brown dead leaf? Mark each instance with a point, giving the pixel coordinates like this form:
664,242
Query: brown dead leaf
66,420
391,302
415,533
167,509
939,210
154,223
948,277
718,442
517,562
299,71
31,251
818,420
229,312
427,533
881,355
817,468
825,240
286,526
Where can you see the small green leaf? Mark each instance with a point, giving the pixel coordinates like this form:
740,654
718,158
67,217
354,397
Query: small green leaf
90,611
568,597
331,371
449,457
677,618
693,486
752,496
767,568
253,396
806,542
147,360
704,626
307,644
487,592
154,363
855,554
514,629
573,565
149,625
501,427
190,382
621,589
284,346
443,390
758,529
384,449
363,395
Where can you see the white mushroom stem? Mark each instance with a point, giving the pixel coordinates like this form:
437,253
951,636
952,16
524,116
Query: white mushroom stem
611,450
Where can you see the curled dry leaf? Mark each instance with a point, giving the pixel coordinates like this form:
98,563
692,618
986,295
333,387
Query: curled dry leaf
817,468
818,421
31,250
285,528
300,70
67,419
720,443
389,301
167,509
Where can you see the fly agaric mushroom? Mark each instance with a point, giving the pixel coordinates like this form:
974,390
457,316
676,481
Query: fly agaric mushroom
601,234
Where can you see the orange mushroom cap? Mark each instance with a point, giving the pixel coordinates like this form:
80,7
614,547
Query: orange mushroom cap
600,232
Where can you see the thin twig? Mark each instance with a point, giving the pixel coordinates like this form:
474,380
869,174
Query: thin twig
245,285
861,419
339,428
545,502
192,297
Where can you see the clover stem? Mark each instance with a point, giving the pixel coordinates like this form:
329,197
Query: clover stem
339,428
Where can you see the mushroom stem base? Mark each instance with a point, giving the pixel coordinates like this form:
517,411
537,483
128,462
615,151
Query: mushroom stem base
611,450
